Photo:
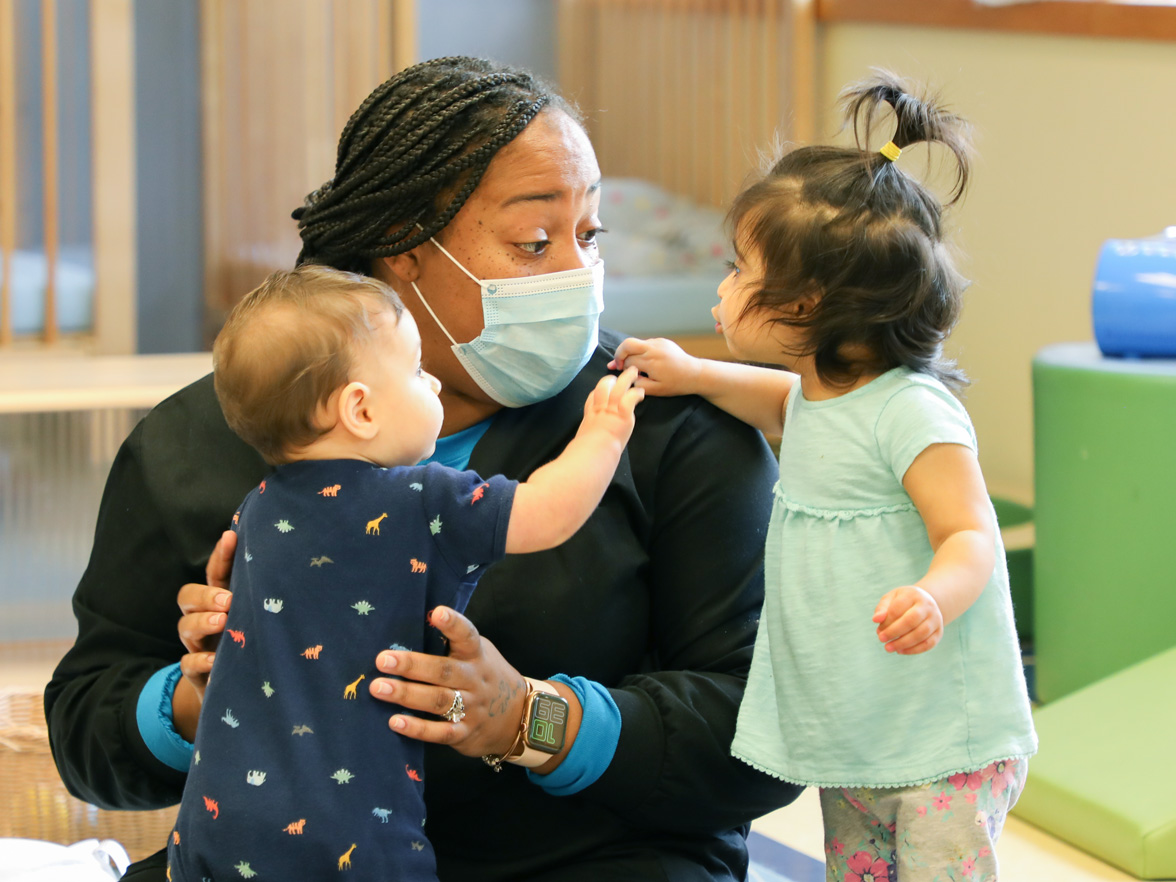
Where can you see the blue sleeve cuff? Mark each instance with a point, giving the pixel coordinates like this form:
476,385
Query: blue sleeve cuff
153,713
595,744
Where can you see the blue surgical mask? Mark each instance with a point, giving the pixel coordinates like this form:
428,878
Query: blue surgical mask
539,332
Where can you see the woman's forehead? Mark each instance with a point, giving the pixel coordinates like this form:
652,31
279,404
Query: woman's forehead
551,159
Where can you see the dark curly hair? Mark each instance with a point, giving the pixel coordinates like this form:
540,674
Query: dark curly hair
412,154
852,228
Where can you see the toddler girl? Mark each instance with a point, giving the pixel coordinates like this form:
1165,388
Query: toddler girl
886,668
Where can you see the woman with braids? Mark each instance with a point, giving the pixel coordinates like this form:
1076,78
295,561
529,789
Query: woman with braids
600,681
888,619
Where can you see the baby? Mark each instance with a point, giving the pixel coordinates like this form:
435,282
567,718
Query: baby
340,554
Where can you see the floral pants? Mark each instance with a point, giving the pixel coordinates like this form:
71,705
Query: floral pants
945,831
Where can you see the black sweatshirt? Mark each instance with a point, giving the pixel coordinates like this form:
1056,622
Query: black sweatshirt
657,597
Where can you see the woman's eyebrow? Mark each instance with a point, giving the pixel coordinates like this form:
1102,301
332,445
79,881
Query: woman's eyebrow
542,197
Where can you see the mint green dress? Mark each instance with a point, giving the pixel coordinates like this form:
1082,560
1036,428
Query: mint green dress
825,704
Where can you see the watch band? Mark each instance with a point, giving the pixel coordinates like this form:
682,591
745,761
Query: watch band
520,753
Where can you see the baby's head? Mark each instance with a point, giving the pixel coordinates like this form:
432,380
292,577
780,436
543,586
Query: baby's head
320,363
852,247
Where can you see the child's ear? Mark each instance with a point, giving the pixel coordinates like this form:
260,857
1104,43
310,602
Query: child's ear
805,305
355,412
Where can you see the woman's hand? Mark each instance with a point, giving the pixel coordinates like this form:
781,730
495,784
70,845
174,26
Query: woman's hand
491,689
204,609
909,620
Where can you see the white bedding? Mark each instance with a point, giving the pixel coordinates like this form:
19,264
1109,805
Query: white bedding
664,256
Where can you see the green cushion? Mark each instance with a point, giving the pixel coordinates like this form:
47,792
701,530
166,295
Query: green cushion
1105,778
1104,583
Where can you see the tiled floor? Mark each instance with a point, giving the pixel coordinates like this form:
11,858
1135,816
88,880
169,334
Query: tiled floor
1027,854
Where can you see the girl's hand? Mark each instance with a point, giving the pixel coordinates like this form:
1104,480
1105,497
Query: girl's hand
665,368
492,690
909,620
205,609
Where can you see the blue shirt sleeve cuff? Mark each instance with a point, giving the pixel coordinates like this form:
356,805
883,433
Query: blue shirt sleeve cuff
595,744
153,713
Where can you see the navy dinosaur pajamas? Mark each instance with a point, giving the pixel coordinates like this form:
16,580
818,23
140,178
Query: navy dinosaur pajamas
295,772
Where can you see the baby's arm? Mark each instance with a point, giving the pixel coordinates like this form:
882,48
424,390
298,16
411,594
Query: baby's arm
560,496
755,395
947,487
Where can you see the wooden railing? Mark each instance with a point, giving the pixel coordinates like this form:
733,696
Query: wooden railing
280,79
111,171
7,163
688,93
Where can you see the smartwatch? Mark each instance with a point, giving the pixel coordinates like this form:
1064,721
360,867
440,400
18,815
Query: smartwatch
542,730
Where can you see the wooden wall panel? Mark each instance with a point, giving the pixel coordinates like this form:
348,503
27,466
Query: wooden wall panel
280,79
49,160
112,53
687,93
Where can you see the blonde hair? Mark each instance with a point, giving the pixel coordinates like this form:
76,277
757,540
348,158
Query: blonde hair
287,346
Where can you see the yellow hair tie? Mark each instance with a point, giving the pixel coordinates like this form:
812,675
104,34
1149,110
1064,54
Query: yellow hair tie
891,151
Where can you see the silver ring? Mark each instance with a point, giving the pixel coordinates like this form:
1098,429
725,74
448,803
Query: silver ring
456,712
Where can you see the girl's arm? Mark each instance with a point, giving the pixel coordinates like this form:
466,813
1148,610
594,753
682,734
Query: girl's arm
947,487
755,395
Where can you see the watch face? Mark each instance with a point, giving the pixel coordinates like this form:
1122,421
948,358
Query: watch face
548,723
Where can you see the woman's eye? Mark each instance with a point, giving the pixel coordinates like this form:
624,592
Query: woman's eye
535,247
591,237
732,266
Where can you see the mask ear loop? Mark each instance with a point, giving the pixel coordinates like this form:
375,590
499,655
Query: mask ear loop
421,296
422,299
452,258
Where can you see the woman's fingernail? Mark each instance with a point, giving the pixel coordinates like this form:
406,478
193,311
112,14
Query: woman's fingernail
442,616
222,599
216,619
397,723
381,687
386,662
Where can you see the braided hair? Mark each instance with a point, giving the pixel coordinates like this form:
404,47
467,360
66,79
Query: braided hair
850,226
412,154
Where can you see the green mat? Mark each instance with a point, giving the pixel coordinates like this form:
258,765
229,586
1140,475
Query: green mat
1105,778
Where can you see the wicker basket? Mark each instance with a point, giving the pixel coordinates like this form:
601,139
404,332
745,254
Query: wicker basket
34,804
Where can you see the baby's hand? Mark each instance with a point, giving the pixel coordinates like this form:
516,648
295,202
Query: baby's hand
909,620
609,408
665,368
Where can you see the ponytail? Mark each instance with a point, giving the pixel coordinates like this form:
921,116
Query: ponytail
917,120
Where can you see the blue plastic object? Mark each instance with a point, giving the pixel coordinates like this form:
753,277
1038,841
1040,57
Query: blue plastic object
1134,302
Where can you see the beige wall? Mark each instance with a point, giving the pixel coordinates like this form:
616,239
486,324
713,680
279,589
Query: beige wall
1076,142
